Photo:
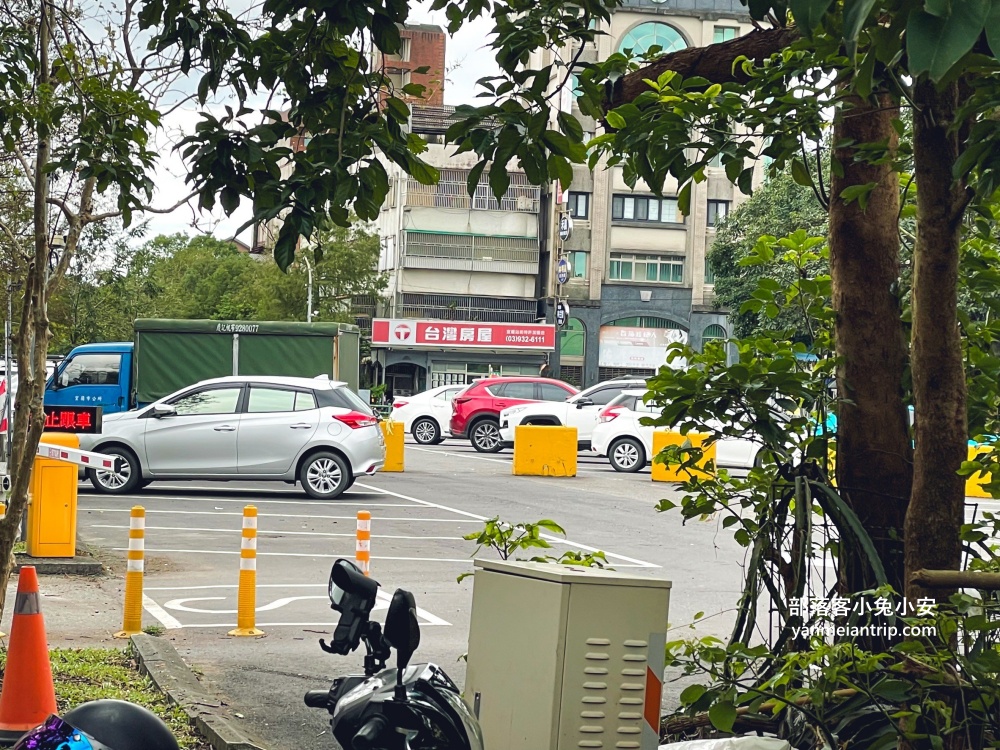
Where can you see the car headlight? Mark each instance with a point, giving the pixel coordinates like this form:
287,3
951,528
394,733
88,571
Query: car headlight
515,410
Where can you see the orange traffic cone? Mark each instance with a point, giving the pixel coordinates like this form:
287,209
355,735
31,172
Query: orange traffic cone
28,695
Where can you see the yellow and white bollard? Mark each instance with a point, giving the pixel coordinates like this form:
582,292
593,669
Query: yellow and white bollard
246,607
135,567
363,550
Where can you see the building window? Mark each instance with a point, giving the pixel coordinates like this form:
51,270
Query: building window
725,33
717,212
645,208
579,205
646,36
716,161
709,272
578,262
660,269
714,331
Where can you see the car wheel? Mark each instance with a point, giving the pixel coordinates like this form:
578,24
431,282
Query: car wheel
126,477
627,455
426,431
325,476
485,436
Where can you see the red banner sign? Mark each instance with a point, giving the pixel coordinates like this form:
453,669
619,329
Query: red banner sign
450,334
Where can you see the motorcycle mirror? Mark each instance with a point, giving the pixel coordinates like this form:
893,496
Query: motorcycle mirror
402,630
353,595
349,587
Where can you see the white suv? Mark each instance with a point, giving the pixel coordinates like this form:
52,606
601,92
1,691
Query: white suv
580,411
629,444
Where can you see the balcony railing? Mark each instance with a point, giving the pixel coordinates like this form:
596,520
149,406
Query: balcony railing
452,192
470,252
462,307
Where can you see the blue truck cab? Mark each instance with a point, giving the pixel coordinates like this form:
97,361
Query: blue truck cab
94,375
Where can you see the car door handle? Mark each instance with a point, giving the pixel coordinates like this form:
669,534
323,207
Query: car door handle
225,428
300,426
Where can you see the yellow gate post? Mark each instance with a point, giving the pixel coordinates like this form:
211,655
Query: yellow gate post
393,432
246,607
973,482
135,568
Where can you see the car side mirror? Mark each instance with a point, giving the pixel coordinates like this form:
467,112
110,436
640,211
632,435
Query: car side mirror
164,411
584,402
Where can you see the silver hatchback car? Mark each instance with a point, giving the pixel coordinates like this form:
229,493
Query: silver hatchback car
317,432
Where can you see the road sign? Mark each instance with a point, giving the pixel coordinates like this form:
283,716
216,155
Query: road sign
563,270
565,227
79,419
562,313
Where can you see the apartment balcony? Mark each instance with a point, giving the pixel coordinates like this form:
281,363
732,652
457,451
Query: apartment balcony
451,191
470,252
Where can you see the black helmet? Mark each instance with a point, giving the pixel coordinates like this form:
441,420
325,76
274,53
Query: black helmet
101,725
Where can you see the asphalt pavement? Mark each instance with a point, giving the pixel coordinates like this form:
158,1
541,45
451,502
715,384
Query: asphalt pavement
418,520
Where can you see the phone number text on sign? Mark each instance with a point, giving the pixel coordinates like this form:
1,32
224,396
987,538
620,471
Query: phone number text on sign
534,339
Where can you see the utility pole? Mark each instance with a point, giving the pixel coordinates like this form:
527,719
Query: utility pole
309,289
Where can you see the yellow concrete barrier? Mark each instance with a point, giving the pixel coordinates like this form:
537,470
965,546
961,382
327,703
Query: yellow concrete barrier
973,481
544,451
393,434
665,473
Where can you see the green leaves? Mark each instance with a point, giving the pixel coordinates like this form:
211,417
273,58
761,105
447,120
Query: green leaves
808,14
723,716
936,42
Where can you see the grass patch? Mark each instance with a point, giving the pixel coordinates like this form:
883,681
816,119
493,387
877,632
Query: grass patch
20,548
154,629
87,674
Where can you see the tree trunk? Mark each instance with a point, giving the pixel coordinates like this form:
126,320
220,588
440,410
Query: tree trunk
936,513
31,339
874,457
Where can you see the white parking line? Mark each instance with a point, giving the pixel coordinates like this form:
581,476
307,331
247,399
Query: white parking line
250,500
547,537
264,532
346,556
172,623
166,619
409,519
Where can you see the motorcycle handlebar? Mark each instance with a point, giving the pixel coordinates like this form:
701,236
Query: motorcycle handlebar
318,699
368,735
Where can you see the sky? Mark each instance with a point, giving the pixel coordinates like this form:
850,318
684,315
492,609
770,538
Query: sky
468,59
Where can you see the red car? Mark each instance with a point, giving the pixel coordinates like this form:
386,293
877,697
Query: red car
475,411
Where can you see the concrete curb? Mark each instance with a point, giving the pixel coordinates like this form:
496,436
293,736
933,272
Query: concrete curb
160,660
84,564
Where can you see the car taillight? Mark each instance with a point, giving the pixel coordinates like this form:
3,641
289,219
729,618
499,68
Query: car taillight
460,400
608,414
399,404
355,419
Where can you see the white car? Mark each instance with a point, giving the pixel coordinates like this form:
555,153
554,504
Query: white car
426,415
580,411
629,444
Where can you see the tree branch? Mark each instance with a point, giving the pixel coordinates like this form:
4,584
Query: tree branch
714,62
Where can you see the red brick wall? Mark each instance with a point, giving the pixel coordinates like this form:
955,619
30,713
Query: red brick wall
427,48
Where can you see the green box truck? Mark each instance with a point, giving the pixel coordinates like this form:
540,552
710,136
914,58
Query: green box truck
167,355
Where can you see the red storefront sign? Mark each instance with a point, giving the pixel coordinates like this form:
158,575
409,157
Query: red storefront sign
449,334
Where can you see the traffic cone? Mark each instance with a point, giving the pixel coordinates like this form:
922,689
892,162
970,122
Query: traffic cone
28,696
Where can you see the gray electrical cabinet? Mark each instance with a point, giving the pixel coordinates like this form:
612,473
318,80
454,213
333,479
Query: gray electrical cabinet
564,656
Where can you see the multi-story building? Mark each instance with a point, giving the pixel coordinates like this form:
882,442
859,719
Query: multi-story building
638,279
457,263
423,47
